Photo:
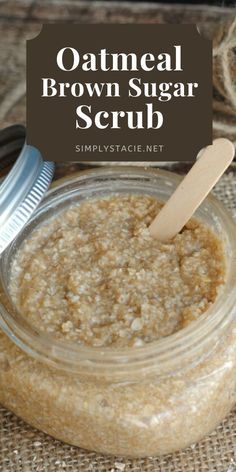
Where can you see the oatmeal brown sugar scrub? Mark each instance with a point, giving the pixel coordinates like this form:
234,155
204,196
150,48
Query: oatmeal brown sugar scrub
128,385
109,282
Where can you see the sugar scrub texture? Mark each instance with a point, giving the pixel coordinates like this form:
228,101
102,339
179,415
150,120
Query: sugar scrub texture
94,275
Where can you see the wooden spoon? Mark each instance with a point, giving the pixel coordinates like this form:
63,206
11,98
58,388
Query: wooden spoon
193,189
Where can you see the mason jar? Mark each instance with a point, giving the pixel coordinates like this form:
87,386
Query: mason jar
139,401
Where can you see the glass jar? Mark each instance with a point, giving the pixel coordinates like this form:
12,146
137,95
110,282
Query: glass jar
133,402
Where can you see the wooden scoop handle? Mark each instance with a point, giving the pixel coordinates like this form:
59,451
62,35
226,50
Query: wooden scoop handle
193,189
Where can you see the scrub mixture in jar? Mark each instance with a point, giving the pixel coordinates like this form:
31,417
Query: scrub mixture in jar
95,276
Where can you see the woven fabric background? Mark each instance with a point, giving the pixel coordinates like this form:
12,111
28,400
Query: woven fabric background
24,449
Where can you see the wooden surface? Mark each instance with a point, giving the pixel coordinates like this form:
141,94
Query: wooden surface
21,20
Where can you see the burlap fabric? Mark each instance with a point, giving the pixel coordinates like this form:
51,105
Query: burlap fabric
24,449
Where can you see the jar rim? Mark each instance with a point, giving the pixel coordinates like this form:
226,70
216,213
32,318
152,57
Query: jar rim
165,351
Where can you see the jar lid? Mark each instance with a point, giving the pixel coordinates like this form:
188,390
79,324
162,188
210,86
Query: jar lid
21,192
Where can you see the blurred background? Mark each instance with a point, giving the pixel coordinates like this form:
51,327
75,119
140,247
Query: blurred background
219,3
